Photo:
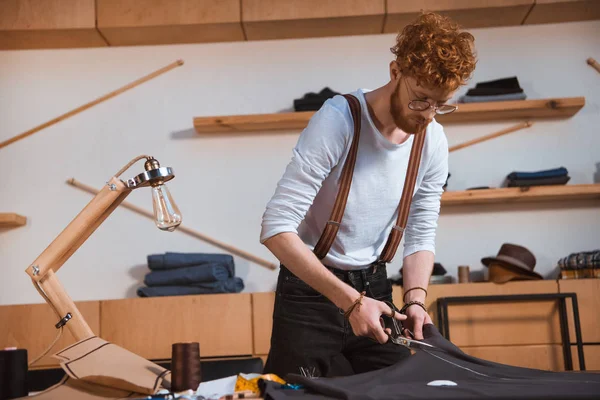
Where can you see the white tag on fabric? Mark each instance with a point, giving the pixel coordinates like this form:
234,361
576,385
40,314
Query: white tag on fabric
442,383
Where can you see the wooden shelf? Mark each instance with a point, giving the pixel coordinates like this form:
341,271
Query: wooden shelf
11,220
469,112
531,194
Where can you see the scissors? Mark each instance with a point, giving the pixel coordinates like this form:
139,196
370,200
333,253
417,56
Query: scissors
396,335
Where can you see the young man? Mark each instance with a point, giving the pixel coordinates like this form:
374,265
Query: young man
312,328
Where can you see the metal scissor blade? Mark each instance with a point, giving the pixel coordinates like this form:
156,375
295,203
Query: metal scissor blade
406,342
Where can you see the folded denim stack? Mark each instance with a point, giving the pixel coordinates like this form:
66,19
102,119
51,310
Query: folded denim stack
581,265
497,90
556,176
177,274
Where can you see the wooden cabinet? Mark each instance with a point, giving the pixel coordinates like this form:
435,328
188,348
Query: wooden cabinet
468,13
588,298
551,11
221,323
282,19
496,324
31,327
262,321
144,22
46,24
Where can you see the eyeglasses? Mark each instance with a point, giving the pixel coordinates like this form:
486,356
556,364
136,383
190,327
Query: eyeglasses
423,105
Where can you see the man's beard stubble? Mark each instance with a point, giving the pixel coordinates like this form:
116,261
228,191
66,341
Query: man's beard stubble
402,121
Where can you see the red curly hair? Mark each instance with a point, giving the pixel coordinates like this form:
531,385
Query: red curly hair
435,52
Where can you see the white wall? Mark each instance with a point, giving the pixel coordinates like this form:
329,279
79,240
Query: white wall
224,182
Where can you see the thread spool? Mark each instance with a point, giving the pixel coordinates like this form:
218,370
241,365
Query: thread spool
463,274
185,366
13,373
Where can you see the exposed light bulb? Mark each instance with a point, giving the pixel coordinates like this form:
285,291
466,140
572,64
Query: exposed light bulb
166,214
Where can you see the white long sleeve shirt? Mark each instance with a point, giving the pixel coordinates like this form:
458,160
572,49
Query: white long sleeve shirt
305,194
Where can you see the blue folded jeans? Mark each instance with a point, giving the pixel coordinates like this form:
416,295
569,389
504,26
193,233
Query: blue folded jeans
210,272
231,285
171,260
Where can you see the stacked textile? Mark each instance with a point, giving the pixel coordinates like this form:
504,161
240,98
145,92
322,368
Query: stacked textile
313,101
556,176
177,274
496,90
581,265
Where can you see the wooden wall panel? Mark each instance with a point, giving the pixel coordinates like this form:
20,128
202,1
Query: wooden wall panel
45,24
546,357
588,298
283,19
468,13
592,358
496,324
262,321
31,327
221,323
146,22
552,11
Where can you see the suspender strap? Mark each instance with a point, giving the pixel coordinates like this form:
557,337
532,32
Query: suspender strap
407,193
331,228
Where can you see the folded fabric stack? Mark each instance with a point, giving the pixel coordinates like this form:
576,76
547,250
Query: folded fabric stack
313,101
585,264
177,274
556,176
496,90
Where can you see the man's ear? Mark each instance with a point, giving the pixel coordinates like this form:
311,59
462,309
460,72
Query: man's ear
395,73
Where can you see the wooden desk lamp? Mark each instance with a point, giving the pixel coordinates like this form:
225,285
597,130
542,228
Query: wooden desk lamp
43,270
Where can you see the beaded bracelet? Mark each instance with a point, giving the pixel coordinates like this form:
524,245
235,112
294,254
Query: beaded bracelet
411,303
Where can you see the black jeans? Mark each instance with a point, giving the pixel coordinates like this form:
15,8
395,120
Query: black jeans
309,331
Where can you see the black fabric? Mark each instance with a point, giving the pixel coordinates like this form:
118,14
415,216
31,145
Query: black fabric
500,86
313,101
13,373
309,331
412,378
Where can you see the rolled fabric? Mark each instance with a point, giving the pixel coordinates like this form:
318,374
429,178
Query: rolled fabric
171,260
231,285
497,97
548,173
210,272
559,180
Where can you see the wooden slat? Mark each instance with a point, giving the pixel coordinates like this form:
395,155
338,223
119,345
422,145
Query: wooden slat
468,13
44,24
591,356
10,220
31,326
546,357
143,22
493,111
588,298
552,11
529,194
496,324
282,19
262,321
221,323
515,109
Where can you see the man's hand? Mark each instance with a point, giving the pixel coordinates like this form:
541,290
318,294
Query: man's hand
416,318
367,320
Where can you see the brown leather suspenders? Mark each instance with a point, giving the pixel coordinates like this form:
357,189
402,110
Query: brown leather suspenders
331,228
